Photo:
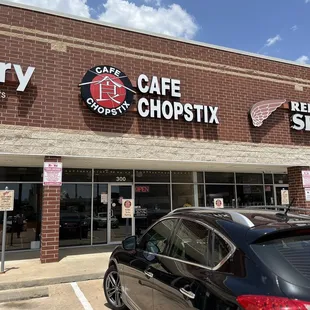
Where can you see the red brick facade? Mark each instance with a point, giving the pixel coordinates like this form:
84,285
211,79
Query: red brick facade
63,49
50,221
53,99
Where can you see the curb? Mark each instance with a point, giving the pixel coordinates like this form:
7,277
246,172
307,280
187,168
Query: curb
24,294
50,281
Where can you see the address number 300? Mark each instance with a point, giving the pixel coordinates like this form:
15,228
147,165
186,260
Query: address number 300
120,179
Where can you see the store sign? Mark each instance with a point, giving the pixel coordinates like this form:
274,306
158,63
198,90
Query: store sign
300,118
142,189
127,208
218,203
52,174
7,200
23,77
161,108
107,91
261,110
307,194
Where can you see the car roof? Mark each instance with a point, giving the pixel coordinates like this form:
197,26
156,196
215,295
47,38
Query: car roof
248,218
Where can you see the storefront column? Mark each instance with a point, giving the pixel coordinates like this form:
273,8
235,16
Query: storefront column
296,190
50,221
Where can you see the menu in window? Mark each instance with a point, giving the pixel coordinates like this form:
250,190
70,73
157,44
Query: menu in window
7,200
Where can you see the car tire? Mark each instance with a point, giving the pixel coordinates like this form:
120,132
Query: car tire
110,281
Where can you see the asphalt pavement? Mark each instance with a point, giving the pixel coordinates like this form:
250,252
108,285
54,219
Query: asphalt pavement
86,295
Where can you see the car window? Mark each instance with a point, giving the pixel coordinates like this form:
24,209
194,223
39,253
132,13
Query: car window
192,243
220,250
155,240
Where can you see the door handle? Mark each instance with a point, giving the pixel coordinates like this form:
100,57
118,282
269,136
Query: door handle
188,294
148,274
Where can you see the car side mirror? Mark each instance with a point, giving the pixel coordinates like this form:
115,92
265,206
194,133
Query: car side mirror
130,243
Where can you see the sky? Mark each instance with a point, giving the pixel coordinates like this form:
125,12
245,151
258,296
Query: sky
276,28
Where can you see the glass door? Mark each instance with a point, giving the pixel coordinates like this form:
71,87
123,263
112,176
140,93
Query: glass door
118,228
281,198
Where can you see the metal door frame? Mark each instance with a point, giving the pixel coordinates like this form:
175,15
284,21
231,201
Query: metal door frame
110,209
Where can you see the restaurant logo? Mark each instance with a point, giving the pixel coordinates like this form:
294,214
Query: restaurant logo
260,111
107,90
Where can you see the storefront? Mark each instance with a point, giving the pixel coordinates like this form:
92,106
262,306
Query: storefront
92,115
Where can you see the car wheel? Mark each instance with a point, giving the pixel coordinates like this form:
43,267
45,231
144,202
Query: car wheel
112,289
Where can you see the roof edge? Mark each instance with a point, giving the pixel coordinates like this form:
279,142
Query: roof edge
187,41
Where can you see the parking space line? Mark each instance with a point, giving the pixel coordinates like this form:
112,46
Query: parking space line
79,294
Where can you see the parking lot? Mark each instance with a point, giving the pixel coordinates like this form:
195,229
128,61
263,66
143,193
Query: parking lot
78,296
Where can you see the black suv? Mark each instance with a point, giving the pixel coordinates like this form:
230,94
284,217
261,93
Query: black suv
203,258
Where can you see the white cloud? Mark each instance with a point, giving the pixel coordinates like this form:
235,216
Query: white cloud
74,7
274,40
295,27
172,20
303,59
156,2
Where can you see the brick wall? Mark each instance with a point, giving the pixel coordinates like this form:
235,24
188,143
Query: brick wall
63,49
50,221
296,190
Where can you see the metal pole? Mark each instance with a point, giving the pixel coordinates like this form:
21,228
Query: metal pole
3,238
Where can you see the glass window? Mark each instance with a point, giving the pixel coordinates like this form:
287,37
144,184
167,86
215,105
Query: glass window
227,192
155,200
219,177
21,174
24,223
200,177
249,178
152,176
155,240
76,175
220,250
75,214
104,175
269,195
201,195
250,195
182,177
268,179
100,221
191,243
281,179
183,195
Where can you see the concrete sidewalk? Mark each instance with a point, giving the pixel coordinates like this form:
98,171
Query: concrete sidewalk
24,270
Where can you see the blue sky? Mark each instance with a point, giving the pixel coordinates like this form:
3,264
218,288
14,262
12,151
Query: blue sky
277,28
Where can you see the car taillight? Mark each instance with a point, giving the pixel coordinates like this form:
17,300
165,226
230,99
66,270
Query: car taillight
254,302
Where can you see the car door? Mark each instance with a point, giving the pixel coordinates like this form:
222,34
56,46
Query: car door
182,278
137,276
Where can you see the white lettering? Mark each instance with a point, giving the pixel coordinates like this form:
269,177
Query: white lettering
167,105
303,107
3,68
165,85
143,106
100,110
143,79
298,122
154,88
178,110
98,70
117,73
198,108
176,88
155,108
213,117
23,78
206,114
295,106
189,115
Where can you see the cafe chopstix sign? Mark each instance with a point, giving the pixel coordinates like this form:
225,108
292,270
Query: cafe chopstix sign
107,91
300,112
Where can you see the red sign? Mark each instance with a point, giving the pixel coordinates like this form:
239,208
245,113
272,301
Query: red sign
306,178
142,189
52,174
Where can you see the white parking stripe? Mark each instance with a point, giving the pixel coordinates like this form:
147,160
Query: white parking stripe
79,294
